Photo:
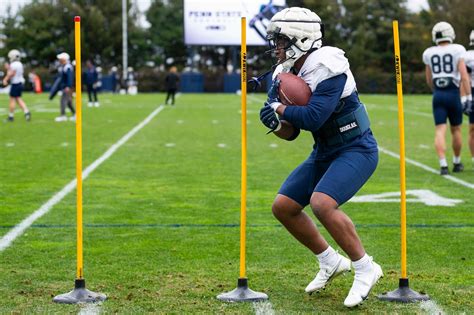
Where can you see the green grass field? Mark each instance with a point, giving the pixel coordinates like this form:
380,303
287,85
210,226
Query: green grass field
161,214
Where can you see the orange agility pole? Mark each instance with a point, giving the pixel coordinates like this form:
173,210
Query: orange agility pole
403,293
242,293
80,294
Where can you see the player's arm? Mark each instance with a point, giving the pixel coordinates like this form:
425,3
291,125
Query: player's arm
287,131
321,105
10,74
429,77
465,84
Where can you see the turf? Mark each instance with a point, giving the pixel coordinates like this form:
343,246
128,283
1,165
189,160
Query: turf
162,214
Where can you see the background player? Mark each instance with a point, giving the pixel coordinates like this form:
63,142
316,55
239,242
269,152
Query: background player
15,76
447,76
468,108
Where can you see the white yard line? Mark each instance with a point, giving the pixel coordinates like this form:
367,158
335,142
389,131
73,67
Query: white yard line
263,308
427,168
20,228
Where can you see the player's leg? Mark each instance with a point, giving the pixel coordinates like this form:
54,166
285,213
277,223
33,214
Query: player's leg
298,223
89,95
440,144
455,116
62,106
11,109
168,94
471,137
173,94
440,114
25,109
344,177
288,206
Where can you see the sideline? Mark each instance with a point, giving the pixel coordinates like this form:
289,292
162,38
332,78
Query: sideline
20,228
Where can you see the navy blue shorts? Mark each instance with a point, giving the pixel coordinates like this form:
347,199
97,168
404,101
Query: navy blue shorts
447,105
340,178
16,90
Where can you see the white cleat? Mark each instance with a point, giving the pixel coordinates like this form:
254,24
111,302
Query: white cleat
60,118
363,283
327,273
96,104
90,104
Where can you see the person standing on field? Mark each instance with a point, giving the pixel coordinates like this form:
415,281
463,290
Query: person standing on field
15,76
91,79
447,76
66,74
344,154
468,106
171,80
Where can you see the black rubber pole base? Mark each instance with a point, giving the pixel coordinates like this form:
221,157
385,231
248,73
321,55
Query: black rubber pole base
403,294
79,295
242,293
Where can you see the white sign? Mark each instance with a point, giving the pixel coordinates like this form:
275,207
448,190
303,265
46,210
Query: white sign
425,196
217,22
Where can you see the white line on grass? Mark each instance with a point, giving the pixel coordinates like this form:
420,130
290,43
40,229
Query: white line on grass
427,168
263,308
20,228
431,308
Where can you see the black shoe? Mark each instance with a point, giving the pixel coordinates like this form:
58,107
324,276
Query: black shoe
9,119
444,170
28,116
458,167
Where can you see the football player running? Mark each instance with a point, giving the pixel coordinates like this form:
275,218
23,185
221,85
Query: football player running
447,76
344,153
468,108
15,76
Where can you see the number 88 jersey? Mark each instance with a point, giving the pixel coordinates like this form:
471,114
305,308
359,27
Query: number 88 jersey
443,61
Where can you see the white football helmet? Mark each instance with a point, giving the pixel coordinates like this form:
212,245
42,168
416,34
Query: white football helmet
302,29
14,55
443,32
471,38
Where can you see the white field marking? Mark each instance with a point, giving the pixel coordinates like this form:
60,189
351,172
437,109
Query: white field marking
263,308
429,169
431,308
215,122
180,121
222,145
9,144
425,196
273,145
424,146
20,228
64,144
170,145
249,111
90,308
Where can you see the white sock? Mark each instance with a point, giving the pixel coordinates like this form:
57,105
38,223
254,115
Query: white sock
26,112
363,264
443,162
456,159
11,114
329,257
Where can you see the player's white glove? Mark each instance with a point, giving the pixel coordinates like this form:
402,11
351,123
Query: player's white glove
466,102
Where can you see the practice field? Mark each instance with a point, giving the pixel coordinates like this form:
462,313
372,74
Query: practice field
161,210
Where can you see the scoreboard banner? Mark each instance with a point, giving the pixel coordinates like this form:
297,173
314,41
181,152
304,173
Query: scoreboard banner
217,22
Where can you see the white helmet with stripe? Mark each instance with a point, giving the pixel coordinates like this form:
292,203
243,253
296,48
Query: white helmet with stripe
443,32
302,27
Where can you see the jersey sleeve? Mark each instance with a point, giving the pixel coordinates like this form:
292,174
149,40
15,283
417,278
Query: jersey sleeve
322,104
426,57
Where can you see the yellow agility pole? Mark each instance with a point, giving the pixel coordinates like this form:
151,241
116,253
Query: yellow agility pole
242,293
243,177
77,32
80,294
403,293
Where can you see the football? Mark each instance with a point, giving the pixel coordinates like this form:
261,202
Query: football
293,90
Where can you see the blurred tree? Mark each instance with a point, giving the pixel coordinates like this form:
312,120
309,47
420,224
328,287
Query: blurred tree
44,28
167,31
